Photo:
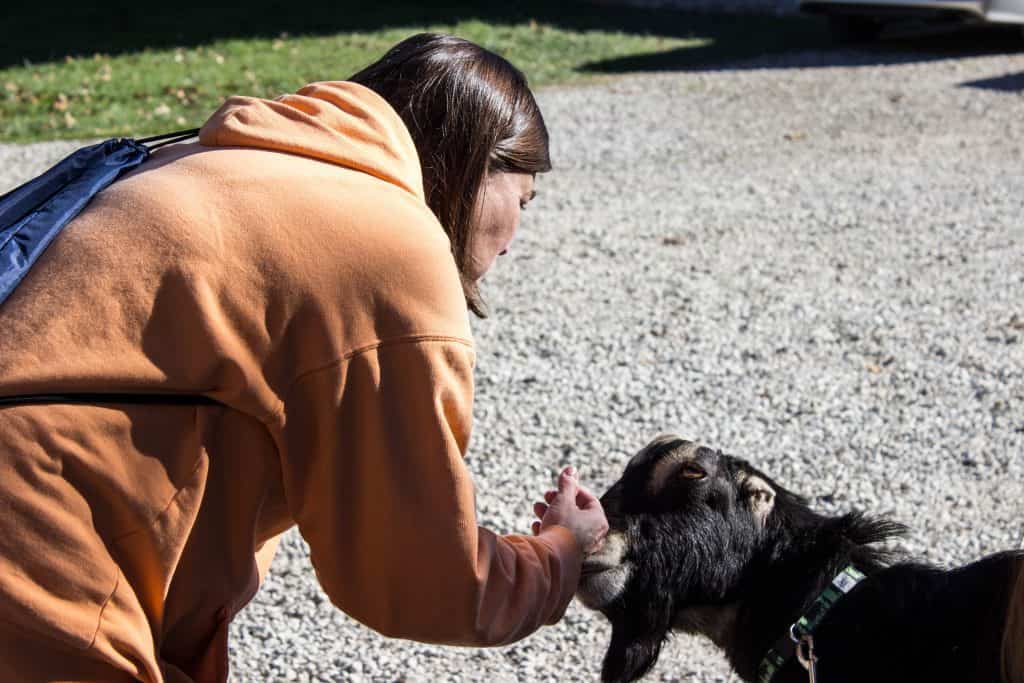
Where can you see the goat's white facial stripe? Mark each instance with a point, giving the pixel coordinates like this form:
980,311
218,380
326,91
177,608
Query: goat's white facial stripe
667,465
760,494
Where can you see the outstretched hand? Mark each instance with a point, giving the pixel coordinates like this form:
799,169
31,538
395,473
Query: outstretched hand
574,507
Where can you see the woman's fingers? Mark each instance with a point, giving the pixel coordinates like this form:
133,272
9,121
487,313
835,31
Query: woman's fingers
563,506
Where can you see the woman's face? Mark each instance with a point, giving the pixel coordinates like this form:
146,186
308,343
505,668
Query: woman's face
503,197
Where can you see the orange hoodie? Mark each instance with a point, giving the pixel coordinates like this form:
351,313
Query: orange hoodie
287,266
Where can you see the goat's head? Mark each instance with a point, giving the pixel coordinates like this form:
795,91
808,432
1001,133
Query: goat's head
685,524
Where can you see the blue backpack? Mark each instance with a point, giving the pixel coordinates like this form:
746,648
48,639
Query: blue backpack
32,215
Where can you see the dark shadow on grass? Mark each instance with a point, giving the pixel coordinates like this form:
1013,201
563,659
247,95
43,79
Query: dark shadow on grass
47,31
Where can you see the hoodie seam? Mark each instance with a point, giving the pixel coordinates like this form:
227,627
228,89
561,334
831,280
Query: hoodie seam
383,343
103,609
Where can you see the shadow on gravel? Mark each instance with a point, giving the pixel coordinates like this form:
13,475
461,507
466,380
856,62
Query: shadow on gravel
1007,83
779,42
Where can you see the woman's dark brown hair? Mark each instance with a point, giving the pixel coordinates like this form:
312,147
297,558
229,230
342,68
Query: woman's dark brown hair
470,112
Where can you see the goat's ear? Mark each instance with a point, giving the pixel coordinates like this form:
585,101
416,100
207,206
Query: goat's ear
759,495
630,655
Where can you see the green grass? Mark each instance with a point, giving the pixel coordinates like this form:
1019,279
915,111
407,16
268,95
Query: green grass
70,69
158,90
87,71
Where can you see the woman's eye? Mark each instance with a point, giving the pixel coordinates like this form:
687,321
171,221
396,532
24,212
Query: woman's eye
691,471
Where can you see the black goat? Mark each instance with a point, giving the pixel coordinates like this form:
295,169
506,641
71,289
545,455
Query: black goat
704,543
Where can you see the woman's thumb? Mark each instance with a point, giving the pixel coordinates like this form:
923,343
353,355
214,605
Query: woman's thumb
584,498
567,484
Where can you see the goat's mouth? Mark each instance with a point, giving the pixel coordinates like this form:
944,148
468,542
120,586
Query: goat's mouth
604,573
608,555
601,584
591,569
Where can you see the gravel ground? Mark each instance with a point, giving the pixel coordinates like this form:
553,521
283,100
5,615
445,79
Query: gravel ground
813,260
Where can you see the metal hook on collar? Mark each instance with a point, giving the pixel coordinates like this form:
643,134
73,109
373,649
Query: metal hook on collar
805,653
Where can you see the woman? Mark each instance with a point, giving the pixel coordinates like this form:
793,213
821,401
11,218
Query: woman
308,264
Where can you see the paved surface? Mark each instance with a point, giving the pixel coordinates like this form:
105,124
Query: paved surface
814,260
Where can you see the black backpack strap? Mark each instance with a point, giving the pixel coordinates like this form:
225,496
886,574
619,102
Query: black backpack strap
168,138
109,398
87,398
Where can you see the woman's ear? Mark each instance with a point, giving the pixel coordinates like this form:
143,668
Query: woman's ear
630,654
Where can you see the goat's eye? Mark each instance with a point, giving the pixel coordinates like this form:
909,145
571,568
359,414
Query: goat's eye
692,470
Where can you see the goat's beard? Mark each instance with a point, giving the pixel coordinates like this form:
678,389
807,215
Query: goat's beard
639,628
631,654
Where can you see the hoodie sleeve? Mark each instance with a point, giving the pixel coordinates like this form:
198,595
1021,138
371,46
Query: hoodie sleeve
375,479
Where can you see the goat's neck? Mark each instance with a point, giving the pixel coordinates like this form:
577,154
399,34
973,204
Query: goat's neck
747,628
716,622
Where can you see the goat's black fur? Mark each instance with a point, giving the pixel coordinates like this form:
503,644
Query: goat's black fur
700,559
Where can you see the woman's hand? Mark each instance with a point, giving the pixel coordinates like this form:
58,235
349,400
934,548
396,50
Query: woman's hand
575,508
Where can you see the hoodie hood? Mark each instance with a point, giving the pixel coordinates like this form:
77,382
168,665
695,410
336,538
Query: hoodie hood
338,122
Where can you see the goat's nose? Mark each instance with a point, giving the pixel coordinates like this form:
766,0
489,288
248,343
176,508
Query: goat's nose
609,497
611,503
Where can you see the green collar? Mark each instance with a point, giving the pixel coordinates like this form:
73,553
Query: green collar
842,584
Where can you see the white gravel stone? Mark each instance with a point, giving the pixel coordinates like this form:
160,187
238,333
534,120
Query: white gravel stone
813,260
